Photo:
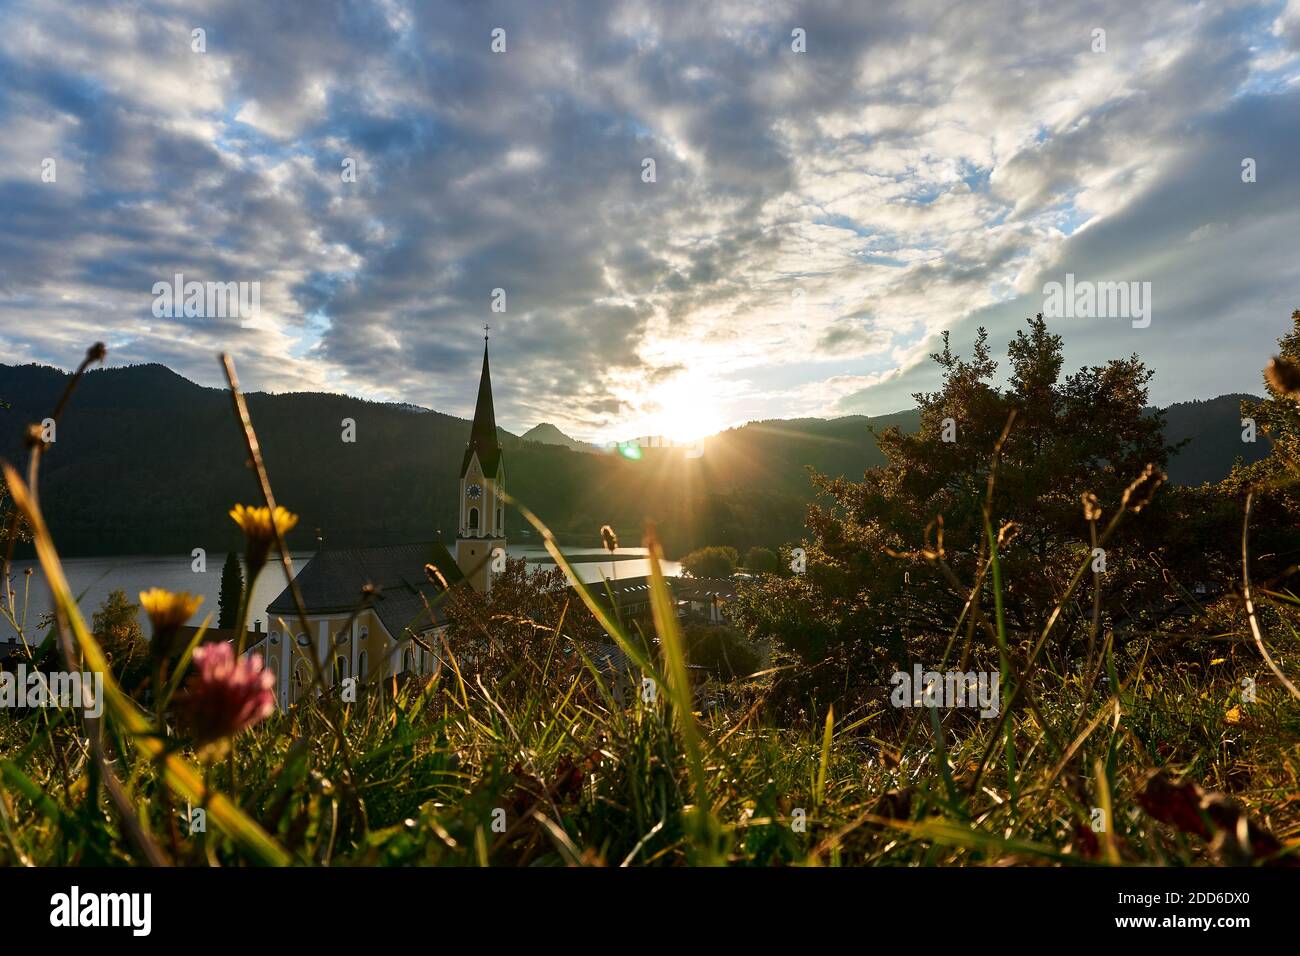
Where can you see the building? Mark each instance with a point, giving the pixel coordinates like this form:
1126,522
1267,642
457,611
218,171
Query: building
370,610
695,599
481,537
704,598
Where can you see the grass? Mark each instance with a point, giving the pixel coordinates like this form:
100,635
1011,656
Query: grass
555,767
582,779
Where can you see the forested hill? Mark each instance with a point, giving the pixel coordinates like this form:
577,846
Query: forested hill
1214,427
148,462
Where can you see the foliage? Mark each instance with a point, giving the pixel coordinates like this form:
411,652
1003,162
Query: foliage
873,598
711,562
8,515
721,650
116,625
1278,417
762,560
1277,420
504,634
232,591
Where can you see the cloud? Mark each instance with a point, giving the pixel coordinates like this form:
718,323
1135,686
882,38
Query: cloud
852,334
815,221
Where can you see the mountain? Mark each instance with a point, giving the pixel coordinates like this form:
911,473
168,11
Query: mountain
547,434
1213,430
146,461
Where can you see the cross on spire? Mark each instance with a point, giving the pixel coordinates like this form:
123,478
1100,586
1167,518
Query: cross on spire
486,329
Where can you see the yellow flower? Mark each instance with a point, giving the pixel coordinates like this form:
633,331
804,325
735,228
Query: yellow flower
167,612
256,522
260,531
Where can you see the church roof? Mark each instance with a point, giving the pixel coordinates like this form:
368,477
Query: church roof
332,580
483,433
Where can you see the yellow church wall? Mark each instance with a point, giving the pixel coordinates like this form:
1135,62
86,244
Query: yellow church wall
287,658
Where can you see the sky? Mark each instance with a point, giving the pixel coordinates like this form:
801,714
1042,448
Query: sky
833,185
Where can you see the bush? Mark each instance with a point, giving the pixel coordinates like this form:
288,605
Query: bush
711,562
116,625
721,650
892,559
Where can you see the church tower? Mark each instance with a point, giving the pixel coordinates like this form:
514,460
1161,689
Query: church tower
482,519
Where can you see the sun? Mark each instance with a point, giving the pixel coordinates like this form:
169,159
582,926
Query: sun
685,408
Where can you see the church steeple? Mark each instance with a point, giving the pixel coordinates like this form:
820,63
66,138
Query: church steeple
481,540
483,433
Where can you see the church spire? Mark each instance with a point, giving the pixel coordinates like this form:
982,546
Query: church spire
482,492
483,433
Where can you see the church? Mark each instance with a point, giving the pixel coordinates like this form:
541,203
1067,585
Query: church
370,636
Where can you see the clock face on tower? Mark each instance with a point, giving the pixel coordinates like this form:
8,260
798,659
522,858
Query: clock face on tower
475,491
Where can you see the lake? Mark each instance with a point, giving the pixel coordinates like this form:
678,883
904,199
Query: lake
92,579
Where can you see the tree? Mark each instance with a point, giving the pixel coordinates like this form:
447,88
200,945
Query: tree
870,599
8,514
711,562
1278,416
720,649
116,626
761,560
232,592
1277,499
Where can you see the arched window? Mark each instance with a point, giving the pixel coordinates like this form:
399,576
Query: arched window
340,668
408,661
300,680
273,665
501,521
361,666
473,519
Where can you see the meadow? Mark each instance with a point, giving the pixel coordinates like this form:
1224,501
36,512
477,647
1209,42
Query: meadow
1129,753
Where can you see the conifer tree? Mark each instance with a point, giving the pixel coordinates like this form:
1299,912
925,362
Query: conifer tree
232,591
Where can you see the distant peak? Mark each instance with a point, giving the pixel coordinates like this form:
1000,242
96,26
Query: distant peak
544,433
543,428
